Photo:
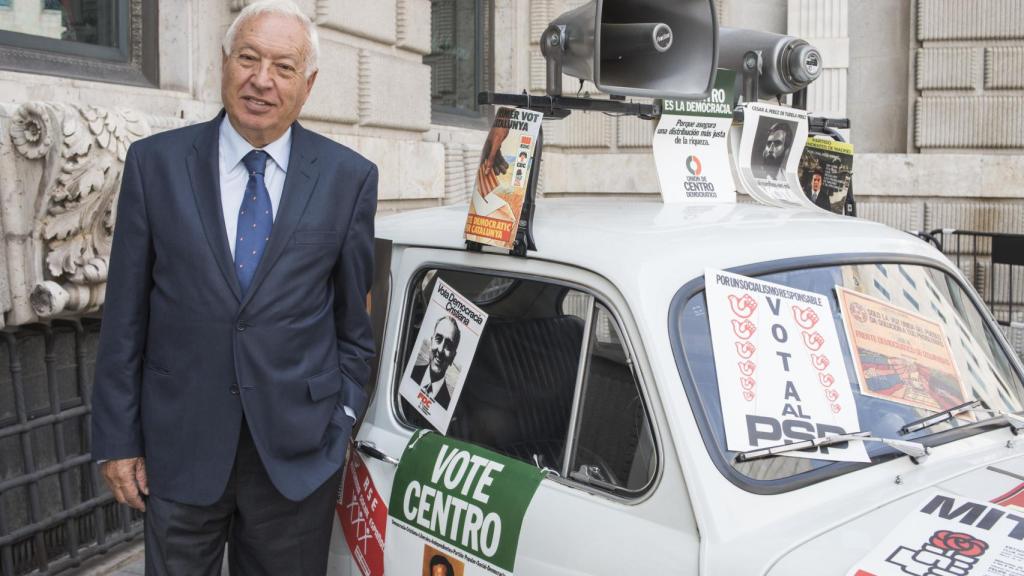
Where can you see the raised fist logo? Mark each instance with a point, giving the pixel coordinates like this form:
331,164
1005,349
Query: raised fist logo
744,329
820,361
805,317
742,306
747,367
826,379
812,340
747,382
745,349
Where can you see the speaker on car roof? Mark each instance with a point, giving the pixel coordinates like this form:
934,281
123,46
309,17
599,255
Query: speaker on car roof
652,48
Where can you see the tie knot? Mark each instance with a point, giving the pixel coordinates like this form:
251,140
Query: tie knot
255,162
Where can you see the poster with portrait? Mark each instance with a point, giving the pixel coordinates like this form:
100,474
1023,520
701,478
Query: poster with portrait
768,154
826,173
690,147
782,375
900,356
949,534
442,355
502,177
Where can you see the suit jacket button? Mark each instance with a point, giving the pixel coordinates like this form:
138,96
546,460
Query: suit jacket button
241,326
233,390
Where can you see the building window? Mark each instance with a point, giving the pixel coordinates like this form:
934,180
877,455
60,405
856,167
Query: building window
106,40
460,55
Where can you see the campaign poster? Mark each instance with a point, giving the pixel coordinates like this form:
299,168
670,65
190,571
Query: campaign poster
457,504
444,350
900,356
502,177
690,147
363,516
771,143
826,173
782,376
949,534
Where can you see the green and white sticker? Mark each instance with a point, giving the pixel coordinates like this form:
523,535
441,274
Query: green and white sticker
462,501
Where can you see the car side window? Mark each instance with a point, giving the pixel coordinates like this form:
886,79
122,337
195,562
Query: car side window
524,392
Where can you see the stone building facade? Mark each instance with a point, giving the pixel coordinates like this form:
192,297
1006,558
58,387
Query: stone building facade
934,89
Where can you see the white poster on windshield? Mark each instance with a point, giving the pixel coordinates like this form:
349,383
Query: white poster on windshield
782,377
950,534
446,343
768,154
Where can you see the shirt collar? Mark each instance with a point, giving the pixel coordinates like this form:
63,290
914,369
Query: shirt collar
233,147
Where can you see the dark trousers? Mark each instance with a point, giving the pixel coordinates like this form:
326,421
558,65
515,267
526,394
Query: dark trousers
266,533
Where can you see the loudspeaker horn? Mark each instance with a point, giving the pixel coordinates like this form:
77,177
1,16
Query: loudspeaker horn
650,48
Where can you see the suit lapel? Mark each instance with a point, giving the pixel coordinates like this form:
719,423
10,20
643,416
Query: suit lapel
204,175
298,187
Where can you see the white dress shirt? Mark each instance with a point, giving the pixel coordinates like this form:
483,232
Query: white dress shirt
234,177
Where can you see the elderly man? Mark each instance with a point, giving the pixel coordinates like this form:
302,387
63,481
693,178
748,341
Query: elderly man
235,340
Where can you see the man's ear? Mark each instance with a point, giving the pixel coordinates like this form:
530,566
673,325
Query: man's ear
310,81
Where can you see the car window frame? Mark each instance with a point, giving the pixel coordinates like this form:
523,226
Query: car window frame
810,477
621,495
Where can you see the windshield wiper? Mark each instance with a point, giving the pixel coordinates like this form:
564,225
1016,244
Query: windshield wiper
973,407
917,452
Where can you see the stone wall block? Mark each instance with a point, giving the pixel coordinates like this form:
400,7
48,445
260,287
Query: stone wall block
623,173
393,92
899,215
947,68
969,19
986,216
409,169
454,173
335,96
634,132
1004,67
376,20
827,95
579,130
818,18
970,122
413,25
308,7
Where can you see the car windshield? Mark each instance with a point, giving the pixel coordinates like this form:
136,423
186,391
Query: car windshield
920,346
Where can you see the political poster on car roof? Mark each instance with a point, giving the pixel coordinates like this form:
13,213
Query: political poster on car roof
441,357
768,154
826,173
782,376
949,534
363,516
690,147
900,355
455,502
502,177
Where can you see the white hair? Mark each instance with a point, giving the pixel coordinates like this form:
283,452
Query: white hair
282,8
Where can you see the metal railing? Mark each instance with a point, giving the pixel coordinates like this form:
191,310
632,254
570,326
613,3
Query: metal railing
994,264
55,511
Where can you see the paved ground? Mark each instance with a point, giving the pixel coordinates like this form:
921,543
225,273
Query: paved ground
127,562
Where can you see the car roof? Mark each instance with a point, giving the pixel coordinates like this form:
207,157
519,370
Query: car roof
619,237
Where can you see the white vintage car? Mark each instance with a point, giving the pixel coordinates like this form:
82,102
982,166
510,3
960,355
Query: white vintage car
602,373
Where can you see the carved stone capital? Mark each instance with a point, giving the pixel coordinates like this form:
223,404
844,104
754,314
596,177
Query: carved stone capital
60,171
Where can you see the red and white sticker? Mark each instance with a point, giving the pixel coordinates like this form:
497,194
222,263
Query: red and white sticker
363,515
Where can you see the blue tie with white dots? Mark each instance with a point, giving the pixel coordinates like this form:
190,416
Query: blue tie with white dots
254,220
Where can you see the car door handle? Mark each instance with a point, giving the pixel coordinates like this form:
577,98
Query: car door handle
370,449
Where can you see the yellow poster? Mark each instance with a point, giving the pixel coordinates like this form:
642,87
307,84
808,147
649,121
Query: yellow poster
900,356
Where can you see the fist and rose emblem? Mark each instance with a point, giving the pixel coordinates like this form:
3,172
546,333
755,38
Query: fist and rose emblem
945,553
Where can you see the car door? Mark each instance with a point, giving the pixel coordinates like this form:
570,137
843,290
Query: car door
555,390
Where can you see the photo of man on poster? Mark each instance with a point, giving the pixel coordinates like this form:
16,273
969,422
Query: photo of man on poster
772,145
436,373
815,192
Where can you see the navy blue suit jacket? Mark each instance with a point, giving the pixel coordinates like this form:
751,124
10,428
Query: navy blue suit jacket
184,354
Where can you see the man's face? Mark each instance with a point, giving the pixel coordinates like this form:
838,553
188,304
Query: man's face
442,349
264,84
816,182
775,147
439,570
